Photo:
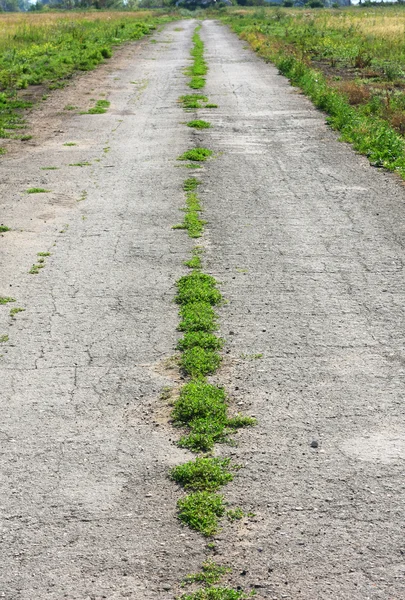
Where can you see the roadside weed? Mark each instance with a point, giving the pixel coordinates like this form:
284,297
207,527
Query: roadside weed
99,109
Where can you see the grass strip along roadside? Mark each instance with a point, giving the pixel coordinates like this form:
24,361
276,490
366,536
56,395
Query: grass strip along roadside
201,409
47,49
347,67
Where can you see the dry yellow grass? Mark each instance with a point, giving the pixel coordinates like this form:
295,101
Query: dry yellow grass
21,25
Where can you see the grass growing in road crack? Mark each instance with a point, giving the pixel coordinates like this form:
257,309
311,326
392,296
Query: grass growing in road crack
211,573
196,154
199,124
203,474
195,261
6,299
191,101
202,407
197,287
201,339
201,511
217,593
35,190
192,221
198,362
198,316
4,228
15,311
196,83
191,184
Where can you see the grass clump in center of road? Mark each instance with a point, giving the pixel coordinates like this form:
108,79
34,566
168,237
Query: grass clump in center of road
199,124
200,338
201,511
191,101
191,184
202,407
217,593
203,474
35,190
197,287
198,316
211,573
192,222
195,261
197,361
6,299
196,83
196,154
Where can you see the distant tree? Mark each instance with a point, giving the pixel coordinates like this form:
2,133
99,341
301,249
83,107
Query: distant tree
9,5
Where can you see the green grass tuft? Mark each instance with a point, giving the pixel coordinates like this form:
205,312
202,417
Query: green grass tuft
198,362
15,311
6,299
201,339
199,124
203,474
35,190
196,154
202,407
99,109
211,573
4,228
190,101
196,83
197,287
217,593
201,511
191,184
198,316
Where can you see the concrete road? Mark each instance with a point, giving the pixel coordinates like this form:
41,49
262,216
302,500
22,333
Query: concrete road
307,241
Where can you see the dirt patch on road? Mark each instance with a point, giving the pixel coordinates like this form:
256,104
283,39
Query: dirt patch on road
52,108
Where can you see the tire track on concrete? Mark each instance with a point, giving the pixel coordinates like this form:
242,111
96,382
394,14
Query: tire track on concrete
306,239
87,508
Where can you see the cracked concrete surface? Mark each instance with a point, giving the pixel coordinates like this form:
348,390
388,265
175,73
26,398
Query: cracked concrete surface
87,510
307,240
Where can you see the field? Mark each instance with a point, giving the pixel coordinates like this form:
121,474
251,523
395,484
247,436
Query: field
48,48
350,62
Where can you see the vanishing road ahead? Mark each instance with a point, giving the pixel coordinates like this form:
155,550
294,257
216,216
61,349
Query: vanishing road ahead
306,240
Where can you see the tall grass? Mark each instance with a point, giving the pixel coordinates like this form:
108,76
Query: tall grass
47,48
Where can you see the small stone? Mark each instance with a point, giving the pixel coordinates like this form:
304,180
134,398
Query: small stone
167,587
314,444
